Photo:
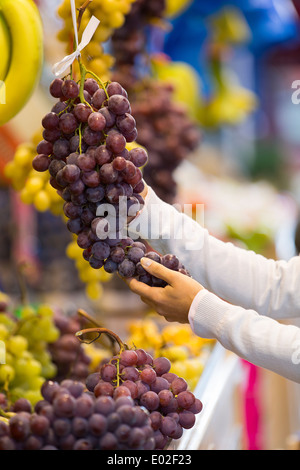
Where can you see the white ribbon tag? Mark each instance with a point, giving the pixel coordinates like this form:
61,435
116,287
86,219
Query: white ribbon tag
64,64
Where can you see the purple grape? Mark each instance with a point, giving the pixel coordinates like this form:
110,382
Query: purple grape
50,121
118,104
107,174
71,173
126,123
170,262
114,88
97,122
98,98
82,112
91,86
68,123
135,254
101,250
126,268
56,88
139,157
115,142
41,163
70,89
91,137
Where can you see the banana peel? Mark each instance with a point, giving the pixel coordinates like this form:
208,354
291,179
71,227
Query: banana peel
26,32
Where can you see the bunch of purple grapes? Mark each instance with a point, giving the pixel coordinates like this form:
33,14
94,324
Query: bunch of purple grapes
67,353
167,132
84,150
130,40
165,128
149,382
71,418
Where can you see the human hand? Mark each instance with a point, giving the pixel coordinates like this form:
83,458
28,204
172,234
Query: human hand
173,301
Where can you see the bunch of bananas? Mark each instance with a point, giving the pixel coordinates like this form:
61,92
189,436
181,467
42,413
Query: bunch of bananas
186,351
111,14
21,46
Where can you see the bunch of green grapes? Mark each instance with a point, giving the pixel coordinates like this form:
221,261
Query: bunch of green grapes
111,14
27,360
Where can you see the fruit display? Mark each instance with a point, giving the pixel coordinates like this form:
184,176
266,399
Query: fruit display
40,344
186,352
21,40
134,373
70,418
133,403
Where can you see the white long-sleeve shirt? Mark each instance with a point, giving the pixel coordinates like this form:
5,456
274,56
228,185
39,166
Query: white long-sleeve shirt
244,293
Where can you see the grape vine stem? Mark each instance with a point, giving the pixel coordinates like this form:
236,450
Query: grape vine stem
101,331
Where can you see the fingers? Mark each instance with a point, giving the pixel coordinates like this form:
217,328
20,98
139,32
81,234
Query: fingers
158,270
143,290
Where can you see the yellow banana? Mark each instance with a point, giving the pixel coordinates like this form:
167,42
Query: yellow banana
5,47
26,32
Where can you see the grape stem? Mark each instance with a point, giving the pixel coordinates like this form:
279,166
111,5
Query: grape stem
94,322
100,331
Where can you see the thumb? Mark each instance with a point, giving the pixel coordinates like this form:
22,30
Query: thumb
157,270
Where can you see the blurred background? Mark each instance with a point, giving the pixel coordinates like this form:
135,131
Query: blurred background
233,70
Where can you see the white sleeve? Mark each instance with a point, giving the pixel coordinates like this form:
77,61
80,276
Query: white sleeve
236,275
253,337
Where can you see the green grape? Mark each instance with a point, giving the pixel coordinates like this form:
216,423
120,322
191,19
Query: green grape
17,345
6,321
52,335
35,383
33,396
3,332
33,368
49,370
27,311
7,373
45,311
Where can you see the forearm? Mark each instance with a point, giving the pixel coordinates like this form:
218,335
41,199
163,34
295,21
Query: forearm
236,275
255,338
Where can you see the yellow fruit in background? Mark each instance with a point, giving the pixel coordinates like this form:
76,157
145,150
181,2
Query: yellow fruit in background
42,201
183,77
175,353
94,290
176,7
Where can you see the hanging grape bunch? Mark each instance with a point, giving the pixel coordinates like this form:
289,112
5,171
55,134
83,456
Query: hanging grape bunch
84,150
135,374
165,128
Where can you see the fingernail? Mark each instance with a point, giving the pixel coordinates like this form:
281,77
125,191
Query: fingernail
146,262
